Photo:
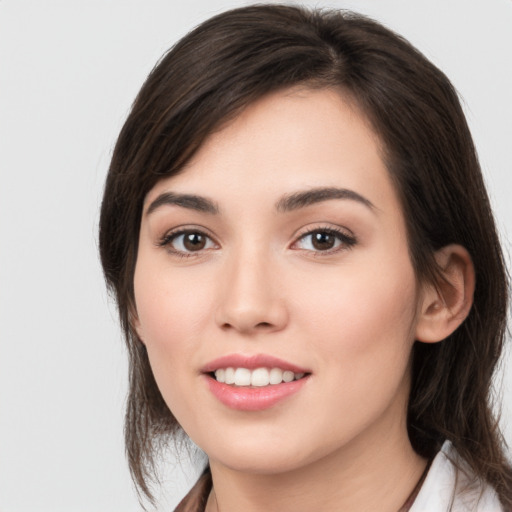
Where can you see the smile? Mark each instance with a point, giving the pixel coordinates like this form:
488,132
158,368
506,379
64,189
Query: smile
255,382
259,377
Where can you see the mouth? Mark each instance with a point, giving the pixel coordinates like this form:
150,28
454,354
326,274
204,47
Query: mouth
256,378
253,383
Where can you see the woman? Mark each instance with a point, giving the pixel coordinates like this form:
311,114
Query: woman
307,270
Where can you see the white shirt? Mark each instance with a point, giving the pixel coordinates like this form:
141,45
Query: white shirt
449,489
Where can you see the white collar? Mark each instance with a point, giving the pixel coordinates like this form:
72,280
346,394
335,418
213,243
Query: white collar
451,488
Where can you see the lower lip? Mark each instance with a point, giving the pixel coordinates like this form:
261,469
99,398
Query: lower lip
253,399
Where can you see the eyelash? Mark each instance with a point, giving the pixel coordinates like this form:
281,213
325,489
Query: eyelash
347,241
168,238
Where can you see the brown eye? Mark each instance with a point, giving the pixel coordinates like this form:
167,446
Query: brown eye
186,242
194,241
322,241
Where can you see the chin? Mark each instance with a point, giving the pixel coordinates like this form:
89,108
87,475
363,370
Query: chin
261,463
265,455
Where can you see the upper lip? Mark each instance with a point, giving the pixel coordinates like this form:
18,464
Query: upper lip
251,362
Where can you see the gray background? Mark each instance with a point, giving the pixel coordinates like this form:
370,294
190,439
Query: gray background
69,71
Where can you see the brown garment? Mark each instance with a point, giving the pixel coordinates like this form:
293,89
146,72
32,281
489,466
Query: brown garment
195,500
409,502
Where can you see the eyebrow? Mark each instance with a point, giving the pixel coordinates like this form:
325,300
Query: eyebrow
299,200
190,201
287,203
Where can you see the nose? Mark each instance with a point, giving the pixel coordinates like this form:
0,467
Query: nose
251,299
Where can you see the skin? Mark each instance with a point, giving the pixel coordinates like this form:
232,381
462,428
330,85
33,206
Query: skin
349,315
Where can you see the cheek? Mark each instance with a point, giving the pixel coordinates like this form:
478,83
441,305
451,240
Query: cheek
359,328
169,309
364,314
173,309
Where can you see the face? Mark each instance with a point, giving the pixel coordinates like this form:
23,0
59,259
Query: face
274,289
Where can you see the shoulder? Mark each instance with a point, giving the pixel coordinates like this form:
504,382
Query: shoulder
451,486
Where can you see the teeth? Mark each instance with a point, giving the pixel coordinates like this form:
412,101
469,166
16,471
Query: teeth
229,376
276,376
259,377
288,376
220,375
242,377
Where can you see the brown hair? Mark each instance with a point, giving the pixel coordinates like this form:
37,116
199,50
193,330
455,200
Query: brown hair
237,57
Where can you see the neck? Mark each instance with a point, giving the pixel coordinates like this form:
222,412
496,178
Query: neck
376,471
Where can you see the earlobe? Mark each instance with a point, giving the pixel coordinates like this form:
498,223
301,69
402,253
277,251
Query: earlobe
446,304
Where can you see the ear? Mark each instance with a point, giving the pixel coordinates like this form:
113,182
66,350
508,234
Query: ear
446,304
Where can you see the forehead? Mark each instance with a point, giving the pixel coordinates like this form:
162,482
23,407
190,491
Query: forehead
292,139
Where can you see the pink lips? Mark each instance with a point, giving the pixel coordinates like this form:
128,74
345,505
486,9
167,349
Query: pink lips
251,363
249,398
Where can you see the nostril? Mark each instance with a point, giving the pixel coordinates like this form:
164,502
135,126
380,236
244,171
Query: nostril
264,325
259,326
